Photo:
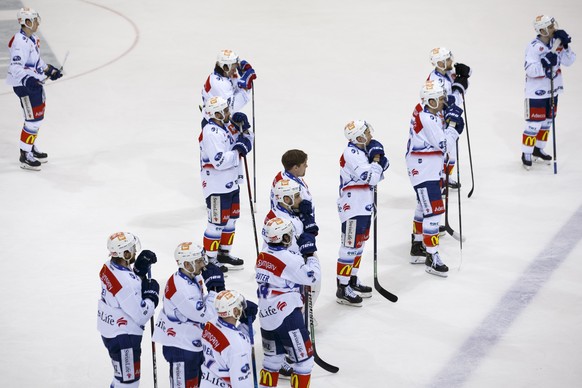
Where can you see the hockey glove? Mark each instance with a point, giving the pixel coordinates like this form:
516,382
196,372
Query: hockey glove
462,70
549,60
31,83
384,162
564,37
244,66
150,289
250,312
53,73
305,207
306,243
374,148
246,80
240,121
453,115
144,262
213,278
242,145
461,84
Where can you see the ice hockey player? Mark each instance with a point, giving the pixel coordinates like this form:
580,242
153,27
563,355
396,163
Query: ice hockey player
226,346
231,79
280,275
27,73
183,316
128,300
223,144
542,63
294,167
362,167
455,84
431,133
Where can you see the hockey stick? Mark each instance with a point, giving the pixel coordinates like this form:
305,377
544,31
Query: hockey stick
553,122
469,146
459,197
448,227
64,61
253,358
385,293
251,205
254,150
309,318
154,362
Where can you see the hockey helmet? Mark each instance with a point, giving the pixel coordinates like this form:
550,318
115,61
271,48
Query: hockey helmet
189,252
226,57
25,14
215,105
227,303
440,54
276,228
542,22
286,188
431,90
355,129
120,242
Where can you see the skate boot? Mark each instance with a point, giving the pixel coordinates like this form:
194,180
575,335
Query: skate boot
435,266
28,162
538,153
453,184
442,230
224,257
40,156
364,291
286,370
417,252
345,295
526,160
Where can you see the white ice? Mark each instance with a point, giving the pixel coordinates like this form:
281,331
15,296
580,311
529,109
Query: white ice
121,130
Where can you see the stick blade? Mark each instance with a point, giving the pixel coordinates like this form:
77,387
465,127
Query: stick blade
324,365
385,293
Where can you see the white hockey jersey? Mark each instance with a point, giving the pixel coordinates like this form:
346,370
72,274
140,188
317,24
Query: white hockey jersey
220,166
121,309
357,180
227,88
280,274
446,80
280,212
537,85
305,194
184,313
227,356
25,59
427,144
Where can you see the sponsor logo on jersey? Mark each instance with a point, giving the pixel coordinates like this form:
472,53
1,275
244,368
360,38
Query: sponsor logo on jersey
171,332
281,305
16,58
414,171
245,368
346,207
121,322
218,156
540,92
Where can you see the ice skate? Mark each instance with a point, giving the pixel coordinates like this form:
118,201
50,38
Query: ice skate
417,252
364,291
435,266
526,160
28,162
442,230
286,369
453,184
229,261
541,156
38,155
345,295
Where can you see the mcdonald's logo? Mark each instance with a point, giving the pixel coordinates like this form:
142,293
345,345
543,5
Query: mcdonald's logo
346,270
544,135
294,381
434,240
529,141
266,378
230,239
30,139
357,261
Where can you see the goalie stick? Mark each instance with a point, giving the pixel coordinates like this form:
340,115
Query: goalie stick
309,319
385,293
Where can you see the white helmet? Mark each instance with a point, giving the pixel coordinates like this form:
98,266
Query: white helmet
355,129
440,54
276,228
227,301
286,188
189,252
120,242
542,22
226,57
214,105
25,14
431,90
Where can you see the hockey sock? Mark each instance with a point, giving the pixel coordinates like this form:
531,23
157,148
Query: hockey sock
431,233
227,235
529,136
211,240
268,378
300,381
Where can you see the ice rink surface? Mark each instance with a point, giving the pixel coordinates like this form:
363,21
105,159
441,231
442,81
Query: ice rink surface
121,130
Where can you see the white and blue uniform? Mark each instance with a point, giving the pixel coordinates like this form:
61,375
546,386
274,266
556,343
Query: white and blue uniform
304,193
227,88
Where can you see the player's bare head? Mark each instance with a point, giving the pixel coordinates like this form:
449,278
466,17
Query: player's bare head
545,25
124,246
294,160
442,58
278,231
190,257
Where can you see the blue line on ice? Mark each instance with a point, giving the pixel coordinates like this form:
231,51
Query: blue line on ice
467,359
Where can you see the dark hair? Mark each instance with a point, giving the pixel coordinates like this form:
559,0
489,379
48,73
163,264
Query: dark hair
293,158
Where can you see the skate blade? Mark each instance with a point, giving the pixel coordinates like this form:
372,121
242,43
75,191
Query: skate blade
542,161
42,160
25,166
346,303
432,271
417,259
526,167
364,294
233,268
